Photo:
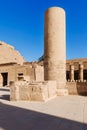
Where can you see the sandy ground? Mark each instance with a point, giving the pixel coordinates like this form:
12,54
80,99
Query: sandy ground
61,113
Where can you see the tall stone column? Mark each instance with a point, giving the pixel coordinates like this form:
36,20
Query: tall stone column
55,46
81,72
1,80
72,72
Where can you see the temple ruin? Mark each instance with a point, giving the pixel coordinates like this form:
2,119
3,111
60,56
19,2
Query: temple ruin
44,80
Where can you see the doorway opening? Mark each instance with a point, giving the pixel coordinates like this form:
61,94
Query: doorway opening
85,74
5,78
67,75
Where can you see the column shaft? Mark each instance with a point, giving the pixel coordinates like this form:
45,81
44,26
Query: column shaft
54,47
81,72
72,73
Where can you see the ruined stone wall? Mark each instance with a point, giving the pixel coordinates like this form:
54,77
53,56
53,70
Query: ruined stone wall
76,63
10,70
77,88
39,73
27,72
9,54
15,72
36,91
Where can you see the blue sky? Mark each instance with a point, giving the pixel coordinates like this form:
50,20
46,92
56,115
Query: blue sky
22,25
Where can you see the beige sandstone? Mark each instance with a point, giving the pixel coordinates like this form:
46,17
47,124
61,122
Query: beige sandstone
9,54
71,72
81,72
28,78
35,91
55,47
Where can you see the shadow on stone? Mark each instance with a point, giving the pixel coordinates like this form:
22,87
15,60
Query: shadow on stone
5,97
83,94
3,89
14,118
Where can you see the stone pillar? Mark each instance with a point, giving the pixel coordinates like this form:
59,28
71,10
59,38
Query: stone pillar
71,72
1,80
81,72
55,46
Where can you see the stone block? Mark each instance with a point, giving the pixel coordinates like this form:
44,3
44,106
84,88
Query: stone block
35,91
14,90
62,92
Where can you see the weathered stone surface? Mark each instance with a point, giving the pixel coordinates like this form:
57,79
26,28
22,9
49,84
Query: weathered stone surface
39,73
62,92
14,92
36,91
54,48
81,72
77,88
9,54
72,72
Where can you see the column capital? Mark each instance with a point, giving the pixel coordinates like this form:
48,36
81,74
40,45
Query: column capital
81,66
72,67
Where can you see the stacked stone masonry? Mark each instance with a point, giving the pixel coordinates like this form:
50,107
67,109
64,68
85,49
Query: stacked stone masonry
35,91
77,88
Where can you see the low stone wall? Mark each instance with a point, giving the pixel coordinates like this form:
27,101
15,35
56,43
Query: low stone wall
35,91
77,88
39,73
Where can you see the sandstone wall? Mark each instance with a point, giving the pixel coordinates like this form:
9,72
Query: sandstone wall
39,73
36,91
10,70
9,54
14,72
76,63
77,88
